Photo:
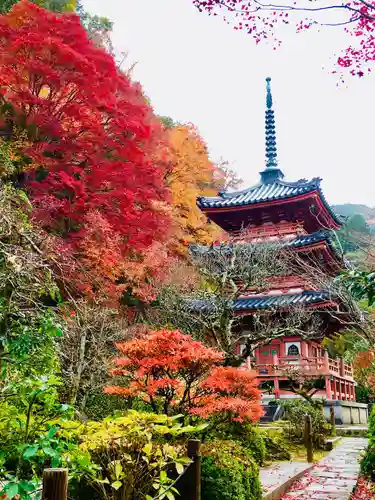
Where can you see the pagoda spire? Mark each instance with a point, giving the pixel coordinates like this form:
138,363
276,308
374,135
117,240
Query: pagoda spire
272,172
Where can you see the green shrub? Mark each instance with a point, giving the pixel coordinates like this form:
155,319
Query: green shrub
100,405
276,444
252,438
248,435
29,435
368,462
362,394
295,412
229,472
134,454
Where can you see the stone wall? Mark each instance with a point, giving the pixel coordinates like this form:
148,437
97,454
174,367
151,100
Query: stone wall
347,412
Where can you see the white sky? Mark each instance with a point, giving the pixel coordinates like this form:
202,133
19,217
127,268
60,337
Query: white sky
197,69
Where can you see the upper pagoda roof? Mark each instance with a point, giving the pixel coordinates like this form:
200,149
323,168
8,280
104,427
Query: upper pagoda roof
261,192
272,186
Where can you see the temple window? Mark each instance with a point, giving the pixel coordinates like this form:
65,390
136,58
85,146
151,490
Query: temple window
293,350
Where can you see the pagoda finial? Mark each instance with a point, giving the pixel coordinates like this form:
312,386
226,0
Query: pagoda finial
271,172
269,95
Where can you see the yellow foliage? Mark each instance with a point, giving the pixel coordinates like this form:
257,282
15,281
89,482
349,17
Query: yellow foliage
190,174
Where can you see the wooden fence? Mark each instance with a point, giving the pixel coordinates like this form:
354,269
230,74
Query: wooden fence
55,481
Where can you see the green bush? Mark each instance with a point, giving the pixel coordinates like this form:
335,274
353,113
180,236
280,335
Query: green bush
29,435
100,405
362,394
368,462
130,456
276,445
248,435
252,438
229,472
295,412
135,453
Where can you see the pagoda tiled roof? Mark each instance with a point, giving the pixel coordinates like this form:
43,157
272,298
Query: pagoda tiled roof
259,193
301,240
266,192
267,302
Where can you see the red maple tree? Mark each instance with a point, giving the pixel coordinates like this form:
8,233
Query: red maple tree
261,20
173,373
90,137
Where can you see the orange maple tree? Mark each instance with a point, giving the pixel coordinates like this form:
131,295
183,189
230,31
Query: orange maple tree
173,373
190,173
364,368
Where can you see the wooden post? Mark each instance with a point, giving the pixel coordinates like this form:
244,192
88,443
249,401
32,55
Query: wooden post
55,484
309,438
332,420
189,486
194,452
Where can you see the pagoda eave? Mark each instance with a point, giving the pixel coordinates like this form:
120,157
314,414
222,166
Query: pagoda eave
309,208
319,242
331,256
269,302
328,304
318,210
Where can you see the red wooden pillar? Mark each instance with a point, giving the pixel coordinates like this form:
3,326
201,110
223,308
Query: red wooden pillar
334,388
304,349
275,363
282,349
342,368
328,388
275,359
345,391
326,362
276,388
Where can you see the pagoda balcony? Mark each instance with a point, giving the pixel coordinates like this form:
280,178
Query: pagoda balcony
264,232
315,366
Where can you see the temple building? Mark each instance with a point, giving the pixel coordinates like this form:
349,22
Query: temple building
297,215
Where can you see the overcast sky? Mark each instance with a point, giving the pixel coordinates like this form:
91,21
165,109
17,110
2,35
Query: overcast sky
197,69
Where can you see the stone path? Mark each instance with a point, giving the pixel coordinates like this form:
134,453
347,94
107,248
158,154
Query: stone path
334,477
275,480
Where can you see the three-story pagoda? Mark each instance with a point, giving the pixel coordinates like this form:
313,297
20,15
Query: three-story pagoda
295,214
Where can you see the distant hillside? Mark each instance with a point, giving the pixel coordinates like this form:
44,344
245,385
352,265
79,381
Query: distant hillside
349,209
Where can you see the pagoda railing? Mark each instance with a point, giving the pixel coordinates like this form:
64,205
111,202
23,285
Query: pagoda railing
282,230
314,366
348,371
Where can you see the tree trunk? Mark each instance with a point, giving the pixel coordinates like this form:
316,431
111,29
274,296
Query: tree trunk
79,371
